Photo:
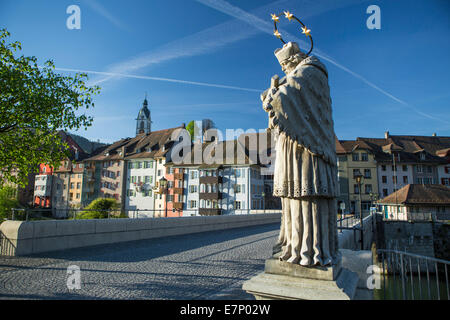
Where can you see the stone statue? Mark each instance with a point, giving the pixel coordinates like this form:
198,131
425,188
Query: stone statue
305,177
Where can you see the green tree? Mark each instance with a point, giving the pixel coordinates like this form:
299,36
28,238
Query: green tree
8,201
36,102
99,209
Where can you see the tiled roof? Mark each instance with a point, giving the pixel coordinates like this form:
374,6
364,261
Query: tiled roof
419,194
408,147
138,147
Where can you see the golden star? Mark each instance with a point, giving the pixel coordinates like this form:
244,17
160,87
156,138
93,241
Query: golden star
275,17
277,34
288,15
306,31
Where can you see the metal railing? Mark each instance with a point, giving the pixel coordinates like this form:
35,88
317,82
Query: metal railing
408,276
71,213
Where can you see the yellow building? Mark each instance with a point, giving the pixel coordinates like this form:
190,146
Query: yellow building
356,158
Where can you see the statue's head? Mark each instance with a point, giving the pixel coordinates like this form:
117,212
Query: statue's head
289,56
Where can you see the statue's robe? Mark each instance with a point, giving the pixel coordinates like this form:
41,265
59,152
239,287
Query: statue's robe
305,165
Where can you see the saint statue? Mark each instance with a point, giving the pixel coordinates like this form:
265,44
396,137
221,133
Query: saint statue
305,176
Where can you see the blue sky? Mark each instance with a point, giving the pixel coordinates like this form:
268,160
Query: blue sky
395,78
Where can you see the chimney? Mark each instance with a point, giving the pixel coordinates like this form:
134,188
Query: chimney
386,135
76,153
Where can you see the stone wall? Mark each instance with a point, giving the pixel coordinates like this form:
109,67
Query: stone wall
412,237
30,237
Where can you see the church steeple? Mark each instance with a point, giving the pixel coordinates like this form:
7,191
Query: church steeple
143,120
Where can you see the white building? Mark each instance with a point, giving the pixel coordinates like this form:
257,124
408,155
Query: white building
227,189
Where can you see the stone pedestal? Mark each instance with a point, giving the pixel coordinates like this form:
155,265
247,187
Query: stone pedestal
286,281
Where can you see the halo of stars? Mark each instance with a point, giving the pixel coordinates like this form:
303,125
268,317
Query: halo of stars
288,15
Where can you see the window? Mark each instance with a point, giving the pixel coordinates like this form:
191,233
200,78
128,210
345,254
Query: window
364,157
419,168
394,168
368,188
355,156
405,179
237,205
159,172
160,161
394,179
72,185
78,185
384,179
192,189
404,167
430,169
356,189
422,156
192,204
356,172
367,173
238,172
237,188
133,179
170,198
78,196
385,192
419,180
445,181
383,167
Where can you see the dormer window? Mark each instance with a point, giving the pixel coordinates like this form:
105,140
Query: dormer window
422,156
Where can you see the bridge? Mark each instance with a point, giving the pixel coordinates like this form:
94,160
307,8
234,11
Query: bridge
207,265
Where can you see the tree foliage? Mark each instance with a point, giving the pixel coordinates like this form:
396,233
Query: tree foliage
8,201
100,209
36,102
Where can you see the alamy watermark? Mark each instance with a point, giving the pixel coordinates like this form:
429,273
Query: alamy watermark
374,20
374,280
213,147
74,20
74,278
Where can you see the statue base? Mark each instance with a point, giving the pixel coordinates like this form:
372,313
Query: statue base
286,281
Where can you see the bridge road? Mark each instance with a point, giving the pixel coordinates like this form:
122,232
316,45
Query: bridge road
209,265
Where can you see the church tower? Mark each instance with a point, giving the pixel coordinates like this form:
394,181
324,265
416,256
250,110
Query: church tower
144,121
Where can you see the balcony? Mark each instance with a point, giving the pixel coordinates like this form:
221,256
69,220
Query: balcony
178,191
209,212
178,205
210,195
210,180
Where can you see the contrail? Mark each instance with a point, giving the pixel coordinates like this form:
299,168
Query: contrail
97,7
207,41
267,27
110,74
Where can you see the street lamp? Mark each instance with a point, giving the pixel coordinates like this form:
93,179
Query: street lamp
263,195
359,178
163,185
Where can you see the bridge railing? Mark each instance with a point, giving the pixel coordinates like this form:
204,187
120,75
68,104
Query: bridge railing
73,213
407,276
